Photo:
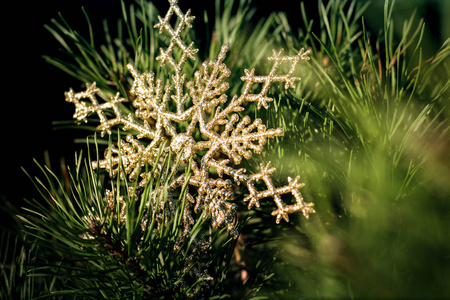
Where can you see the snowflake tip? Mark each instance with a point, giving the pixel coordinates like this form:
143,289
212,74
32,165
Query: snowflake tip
280,213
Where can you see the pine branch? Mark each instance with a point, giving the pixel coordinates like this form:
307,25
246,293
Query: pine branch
133,235
367,128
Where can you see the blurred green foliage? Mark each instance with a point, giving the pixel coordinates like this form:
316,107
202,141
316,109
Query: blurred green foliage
369,132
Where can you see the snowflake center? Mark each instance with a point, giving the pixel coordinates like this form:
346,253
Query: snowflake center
183,142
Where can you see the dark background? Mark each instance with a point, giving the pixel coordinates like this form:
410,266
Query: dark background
34,91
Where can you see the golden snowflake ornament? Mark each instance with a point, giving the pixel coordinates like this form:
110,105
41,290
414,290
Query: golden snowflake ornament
224,140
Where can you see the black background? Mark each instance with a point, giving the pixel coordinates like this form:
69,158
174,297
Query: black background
33,90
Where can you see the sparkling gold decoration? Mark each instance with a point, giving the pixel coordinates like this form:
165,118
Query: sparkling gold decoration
224,139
